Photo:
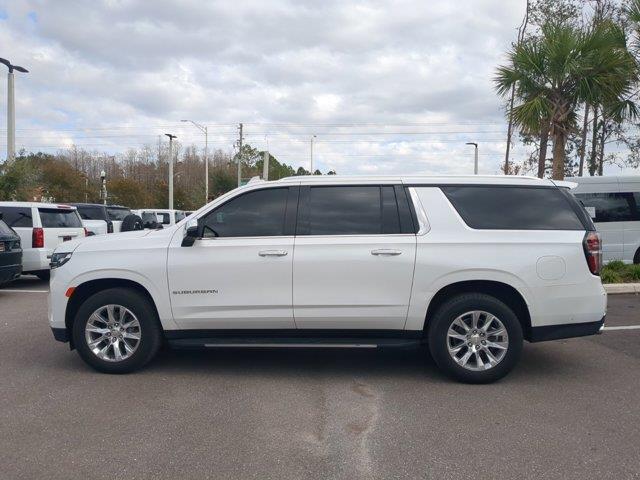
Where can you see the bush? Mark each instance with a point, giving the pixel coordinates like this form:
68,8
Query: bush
619,272
610,276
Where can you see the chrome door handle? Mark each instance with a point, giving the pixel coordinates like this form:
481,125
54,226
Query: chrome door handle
386,251
273,253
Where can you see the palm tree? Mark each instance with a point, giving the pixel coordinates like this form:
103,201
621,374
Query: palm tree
556,72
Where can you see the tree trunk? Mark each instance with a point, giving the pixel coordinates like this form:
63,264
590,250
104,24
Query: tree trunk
594,142
559,141
542,151
603,136
583,143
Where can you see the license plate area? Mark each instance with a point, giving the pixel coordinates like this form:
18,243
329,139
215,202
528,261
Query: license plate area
66,238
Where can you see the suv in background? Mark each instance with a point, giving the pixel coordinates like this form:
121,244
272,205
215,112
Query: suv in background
41,227
10,254
165,217
94,218
471,266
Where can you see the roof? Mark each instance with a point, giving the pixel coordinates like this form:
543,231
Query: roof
426,180
36,205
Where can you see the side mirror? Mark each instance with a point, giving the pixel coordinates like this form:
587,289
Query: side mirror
191,235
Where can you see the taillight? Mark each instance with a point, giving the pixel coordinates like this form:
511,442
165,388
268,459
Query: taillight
37,238
593,251
109,226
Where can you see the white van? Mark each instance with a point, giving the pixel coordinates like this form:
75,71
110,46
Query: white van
41,227
614,205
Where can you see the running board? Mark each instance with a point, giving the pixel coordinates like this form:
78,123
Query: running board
293,342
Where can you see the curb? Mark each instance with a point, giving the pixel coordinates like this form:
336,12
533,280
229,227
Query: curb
617,288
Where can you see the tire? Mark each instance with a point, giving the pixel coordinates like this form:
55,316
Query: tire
44,275
149,331
451,313
636,257
131,222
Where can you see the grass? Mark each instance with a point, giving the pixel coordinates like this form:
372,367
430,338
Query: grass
619,272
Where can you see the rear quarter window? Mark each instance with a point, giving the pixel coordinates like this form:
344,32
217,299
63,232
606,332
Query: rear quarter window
57,218
17,217
513,208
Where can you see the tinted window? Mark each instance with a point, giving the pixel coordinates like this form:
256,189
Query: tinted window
54,218
91,213
5,230
149,217
180,216
353,210
164,218
513,208
17,216
117,214
260,213
612,207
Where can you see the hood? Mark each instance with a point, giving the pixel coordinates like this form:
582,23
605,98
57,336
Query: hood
100,242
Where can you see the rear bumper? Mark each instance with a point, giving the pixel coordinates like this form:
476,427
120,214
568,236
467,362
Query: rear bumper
555,332
9,272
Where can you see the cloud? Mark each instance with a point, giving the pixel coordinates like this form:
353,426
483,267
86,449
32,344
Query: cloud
114,74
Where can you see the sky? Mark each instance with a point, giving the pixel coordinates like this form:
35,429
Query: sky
386,87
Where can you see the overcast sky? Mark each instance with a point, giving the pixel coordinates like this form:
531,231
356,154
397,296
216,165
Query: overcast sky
386,86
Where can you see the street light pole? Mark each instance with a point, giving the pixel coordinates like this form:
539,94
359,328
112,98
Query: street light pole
475,157
312,153
11,108
103,177
204,129
171,137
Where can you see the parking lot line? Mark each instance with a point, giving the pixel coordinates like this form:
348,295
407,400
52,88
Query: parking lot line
623,327
16,290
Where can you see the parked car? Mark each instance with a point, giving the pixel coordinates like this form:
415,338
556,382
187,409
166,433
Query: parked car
10,254
471,266
41,227
94,218
614,205
165,217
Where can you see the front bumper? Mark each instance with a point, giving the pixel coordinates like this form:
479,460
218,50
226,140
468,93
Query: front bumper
556,332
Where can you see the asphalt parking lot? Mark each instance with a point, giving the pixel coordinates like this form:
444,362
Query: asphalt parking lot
571,409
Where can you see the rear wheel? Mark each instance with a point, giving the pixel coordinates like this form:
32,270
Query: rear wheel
475,338
117,331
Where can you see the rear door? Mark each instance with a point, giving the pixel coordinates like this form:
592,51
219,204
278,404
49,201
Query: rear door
60,224
353,257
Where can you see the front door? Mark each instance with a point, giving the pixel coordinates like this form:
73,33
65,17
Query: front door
238,276
353,265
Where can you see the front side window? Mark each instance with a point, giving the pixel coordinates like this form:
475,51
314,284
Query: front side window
350,210
513,208
611,207
260,213
55,218
17,217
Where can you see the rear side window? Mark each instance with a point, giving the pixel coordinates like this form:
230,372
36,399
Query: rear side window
55,218
513,208
350,210
612,207
118,214
260,213
91,213
17,217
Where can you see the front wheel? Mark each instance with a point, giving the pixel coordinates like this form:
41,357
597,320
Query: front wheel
475,338
117,331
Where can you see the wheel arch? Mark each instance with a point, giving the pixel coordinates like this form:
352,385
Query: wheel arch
90,287
502,291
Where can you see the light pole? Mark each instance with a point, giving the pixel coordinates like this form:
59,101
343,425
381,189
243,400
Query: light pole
312,137
203,129
103,177
11,108
475,158
171,137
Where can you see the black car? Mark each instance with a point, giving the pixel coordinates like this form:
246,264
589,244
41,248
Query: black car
10,253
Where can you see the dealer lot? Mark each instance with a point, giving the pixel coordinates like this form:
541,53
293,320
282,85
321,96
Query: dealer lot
571,409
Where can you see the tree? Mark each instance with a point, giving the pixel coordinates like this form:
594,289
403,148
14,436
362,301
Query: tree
559,70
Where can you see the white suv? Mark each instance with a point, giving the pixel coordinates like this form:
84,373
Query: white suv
470,266
41,227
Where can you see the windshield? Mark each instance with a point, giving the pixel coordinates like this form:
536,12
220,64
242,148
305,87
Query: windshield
118,213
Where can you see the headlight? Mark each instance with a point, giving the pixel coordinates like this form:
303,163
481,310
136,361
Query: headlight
59,259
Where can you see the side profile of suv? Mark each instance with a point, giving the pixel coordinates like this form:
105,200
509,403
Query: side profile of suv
41,227
471,266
